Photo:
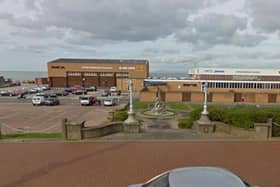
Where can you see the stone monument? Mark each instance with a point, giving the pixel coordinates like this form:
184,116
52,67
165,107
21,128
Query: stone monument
131,124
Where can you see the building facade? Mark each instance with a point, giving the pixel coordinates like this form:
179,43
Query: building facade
235,74
253,87
97,72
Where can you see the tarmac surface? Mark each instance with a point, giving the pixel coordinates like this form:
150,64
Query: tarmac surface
23,117
117,164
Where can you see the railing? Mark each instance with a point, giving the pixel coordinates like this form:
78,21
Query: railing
275,129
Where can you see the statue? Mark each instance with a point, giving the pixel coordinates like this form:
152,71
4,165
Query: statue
159,106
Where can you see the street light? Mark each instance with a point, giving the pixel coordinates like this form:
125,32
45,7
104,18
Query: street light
204,89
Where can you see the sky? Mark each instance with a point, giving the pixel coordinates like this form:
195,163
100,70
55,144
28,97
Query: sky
174,35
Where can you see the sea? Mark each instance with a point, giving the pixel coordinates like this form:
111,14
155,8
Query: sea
31,75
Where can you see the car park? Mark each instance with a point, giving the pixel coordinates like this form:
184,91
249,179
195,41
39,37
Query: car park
109,102
87,100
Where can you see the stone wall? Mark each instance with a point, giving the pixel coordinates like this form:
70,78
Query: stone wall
77,131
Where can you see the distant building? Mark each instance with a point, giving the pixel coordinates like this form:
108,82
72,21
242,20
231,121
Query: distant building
97,72
235,74
41,80
2,80
224,86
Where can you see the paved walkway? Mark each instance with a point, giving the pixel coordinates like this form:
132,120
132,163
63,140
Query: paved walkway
118,164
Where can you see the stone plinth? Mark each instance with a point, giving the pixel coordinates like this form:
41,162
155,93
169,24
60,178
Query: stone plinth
72,130
263,130
131,124
204,125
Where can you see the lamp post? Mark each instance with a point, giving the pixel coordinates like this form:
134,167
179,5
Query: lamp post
131,124
83,82
204,88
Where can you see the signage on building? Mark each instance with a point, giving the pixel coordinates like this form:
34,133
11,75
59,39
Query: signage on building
127,68
96,67
57,67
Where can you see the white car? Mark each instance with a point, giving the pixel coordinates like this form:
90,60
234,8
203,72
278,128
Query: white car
109,102
113,89
38,100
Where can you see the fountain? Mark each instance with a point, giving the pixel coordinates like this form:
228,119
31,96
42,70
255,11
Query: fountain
159,109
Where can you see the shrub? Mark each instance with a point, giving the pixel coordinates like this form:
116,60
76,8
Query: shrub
217,113
120,116
185,123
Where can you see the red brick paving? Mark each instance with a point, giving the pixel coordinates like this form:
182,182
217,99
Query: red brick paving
121,163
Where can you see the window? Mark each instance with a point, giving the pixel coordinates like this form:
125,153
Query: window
74,74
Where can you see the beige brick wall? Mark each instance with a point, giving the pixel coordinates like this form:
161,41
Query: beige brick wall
173,97
249,97
147,96
223,97
197,97
261,98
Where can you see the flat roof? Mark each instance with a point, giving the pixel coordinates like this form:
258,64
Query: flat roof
101,61
233,71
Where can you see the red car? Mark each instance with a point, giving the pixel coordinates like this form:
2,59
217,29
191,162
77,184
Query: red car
76,88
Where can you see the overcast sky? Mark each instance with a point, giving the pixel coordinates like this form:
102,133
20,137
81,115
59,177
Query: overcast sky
173,34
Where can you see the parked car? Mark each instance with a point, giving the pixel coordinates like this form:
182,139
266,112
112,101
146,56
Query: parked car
113,89
79,92
87,100
61,93
109,102
76,88
105,93
32,90
7,93
51,101
91,89
68,90
38,100
196,176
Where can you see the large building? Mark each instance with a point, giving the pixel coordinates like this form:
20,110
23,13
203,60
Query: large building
235,74
230,86
97,72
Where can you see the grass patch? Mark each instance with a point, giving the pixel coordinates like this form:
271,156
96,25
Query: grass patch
31,136
178,106
140,105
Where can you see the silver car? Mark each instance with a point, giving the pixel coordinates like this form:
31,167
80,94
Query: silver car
195,177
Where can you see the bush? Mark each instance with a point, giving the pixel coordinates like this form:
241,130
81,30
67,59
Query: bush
217,113
120,116
185,123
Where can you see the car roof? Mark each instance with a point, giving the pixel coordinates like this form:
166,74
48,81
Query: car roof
201,177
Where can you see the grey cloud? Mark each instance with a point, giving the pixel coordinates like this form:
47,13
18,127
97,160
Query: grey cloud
116,19
213,29
265,14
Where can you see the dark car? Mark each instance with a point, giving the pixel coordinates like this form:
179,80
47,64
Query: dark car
61,93
51,101
79,92
68,90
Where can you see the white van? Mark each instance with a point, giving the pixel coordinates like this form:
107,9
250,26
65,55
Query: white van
38,100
